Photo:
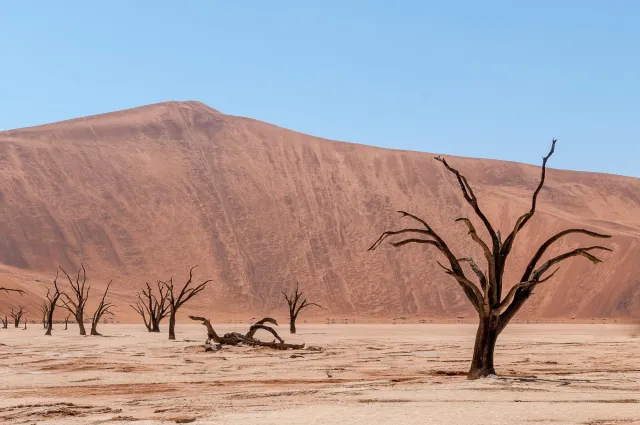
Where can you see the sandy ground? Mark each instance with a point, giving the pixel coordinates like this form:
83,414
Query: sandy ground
365,374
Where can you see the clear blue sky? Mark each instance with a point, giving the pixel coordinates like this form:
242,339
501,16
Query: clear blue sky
493,79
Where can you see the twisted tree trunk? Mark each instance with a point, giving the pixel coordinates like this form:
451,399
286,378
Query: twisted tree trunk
172,324
486,337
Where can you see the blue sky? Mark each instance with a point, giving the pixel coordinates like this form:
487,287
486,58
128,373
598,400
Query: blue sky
492,79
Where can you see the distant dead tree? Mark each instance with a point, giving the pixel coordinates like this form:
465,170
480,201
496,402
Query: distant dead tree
81,295
52,300
494,310
66,322
25,324
17,315
5,322
177,301
294,307
152,308
44,308
103,308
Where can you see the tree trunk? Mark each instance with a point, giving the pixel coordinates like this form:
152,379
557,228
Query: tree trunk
81,325
94,329
172,325
156,327
16,322
486,337
49,322
292,324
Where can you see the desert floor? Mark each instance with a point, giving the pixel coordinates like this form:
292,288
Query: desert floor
365,374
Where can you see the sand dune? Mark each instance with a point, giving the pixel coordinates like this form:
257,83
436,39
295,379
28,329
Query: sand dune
145,193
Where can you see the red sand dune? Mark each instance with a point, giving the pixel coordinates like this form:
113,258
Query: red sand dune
146,193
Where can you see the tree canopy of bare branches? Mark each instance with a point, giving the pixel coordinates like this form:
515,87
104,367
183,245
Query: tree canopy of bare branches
494,310
51,303
102,309
16,315
152,308
9,290
178,300
295,306
81,294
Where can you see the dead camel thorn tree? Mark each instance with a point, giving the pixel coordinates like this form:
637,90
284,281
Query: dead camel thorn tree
235,338
295,308
494,310
44,308
81,295
17,315
152,309
177,301
103,308
51,303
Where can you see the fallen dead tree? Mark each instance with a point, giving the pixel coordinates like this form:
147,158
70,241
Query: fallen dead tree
235,338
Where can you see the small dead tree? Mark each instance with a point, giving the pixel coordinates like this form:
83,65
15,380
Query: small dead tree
52,301
44,308
235,338
177,301
66,322
5,322
81,295
494,310
17,315
295,308
103,308
152,308
25,324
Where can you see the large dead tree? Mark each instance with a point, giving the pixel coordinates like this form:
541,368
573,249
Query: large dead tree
295,306
81,295
152,308
103,308
235,338
16,315
178,300
52,301
494,309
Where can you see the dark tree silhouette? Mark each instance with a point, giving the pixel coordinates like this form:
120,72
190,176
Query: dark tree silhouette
66,322
235,338
103,308
17,315
295,306
494,310
81,295
177,301
5,322
52,301
152,309
44,308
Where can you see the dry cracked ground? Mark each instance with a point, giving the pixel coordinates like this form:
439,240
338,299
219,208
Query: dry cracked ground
400,374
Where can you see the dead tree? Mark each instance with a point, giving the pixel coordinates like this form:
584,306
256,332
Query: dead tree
177,301
152,309
81,295
25,324
103,308
5,322
294,307
66,322
17,315
494,310
44,308
52,301
235,338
